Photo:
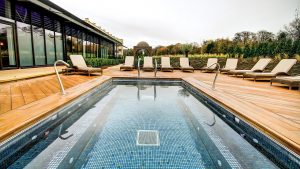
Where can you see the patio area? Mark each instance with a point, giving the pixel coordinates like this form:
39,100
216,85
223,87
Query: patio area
275,110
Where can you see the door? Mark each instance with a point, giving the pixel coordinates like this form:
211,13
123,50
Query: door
7,51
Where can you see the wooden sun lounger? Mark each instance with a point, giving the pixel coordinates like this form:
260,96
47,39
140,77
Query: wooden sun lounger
231,64
281,69
148,64
185,65
210,66
80,65
291,81
258,67
165,64
129,62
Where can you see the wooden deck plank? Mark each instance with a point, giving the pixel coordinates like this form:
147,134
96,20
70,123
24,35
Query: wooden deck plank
27,94
17,97
37,92
5,99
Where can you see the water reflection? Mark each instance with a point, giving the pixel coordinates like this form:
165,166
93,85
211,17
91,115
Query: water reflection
183,92
144,87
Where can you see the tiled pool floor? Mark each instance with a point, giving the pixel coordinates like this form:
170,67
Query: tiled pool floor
189,135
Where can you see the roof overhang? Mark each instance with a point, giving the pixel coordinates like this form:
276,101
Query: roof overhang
55,9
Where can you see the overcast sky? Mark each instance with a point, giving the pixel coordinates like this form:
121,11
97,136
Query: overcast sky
165,22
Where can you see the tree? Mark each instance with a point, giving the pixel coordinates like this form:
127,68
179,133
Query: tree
264,36
247,51
293,28
244,37
186,48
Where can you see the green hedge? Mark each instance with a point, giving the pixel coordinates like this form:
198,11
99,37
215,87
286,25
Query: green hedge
243,63
98,62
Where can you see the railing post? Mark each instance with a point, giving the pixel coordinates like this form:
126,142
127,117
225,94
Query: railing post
139,67
58,77
155,70
218,71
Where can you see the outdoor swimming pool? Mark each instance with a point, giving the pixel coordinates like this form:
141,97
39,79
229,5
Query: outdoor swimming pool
138,125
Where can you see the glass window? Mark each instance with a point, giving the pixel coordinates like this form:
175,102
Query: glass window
68,40
80,42
74,41
49,36
58,41
38,39
84,44
24,35
97,50
7,52
5,8
88,47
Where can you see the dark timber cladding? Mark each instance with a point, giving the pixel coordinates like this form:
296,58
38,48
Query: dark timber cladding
38,32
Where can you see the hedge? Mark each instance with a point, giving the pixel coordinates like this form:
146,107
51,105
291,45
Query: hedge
243,63
99,62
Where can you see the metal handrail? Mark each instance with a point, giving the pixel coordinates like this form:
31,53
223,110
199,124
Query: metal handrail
139,67
58,77
155,70
217,73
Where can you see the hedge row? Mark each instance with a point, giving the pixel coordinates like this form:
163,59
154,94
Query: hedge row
99,62
243,63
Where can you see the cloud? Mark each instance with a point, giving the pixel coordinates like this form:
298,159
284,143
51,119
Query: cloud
163,22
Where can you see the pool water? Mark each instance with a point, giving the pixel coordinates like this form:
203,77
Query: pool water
144,126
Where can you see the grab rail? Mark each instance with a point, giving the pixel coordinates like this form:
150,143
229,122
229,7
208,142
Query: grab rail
139,67
155,70
217,73
58,78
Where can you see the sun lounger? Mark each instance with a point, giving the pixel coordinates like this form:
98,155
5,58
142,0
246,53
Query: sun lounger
80,66
258,67
129,62
148,64
231,64
211,65
281,69
291,81
165,64
185,65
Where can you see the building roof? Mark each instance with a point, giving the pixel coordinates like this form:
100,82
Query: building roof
143,44
57,10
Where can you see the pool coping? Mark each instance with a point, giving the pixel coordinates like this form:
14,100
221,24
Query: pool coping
57,101
238,106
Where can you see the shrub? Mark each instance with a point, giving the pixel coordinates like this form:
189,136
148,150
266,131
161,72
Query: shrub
98,62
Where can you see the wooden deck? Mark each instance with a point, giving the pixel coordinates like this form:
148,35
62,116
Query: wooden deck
17,94
273,109
20,74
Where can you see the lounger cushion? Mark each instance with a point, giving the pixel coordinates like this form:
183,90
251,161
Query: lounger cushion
129,61
284,65
231,64
289,78
78,61
90,69
148,62
267,74
210,63
261,64
165,62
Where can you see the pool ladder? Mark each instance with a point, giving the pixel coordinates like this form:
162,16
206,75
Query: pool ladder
58,77
139,67
155,68
216,76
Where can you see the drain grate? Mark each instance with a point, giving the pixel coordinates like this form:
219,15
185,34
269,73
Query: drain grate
147,138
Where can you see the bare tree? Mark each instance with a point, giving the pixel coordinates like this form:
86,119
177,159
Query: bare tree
293,28
264,36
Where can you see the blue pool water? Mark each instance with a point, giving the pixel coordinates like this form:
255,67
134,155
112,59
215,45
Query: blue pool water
144,126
